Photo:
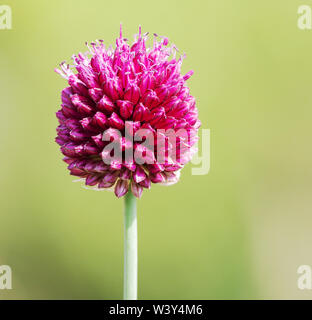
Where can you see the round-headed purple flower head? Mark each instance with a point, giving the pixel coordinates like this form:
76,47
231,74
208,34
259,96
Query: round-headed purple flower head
128,97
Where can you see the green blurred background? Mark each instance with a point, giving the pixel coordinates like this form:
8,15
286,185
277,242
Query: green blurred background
239,232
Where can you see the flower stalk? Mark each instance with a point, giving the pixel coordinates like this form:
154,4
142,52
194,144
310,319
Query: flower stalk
130,248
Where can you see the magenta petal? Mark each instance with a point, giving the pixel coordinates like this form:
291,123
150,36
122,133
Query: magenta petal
121,187
68,160
125,108
139,112
172,103
136,189
110,177
92,180
90,149
77,135
157,177
77,172
105,105
100,167
147,82
116,122
89,166
82,103
139,174
166,123
104,184
98,141
115,165
77,85
151,99
173,167
70,111
133,94
100,119
130,165
111,89
125,174
95,94
60,116
191,117
72,124
86,123
188,75
155,168
157,114
162,92
183,93
146,183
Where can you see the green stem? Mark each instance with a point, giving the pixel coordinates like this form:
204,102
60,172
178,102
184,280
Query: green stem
130,248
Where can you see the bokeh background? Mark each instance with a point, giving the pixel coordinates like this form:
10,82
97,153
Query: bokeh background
239,232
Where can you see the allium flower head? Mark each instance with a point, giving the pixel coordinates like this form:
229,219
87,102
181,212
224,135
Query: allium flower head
114,93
